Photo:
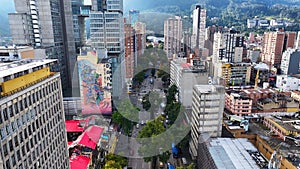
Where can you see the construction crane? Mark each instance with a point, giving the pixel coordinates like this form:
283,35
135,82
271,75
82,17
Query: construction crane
256,79
275,160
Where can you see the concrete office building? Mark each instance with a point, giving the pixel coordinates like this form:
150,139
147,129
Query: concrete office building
107,32
47,25
185,75
172,36
32,119
199,24
290,62
274,44
207,113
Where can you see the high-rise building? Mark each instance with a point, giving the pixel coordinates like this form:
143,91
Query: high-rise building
140,29
274,44
47,26
199,24
133,17
130,50
207,113
32,119
234,43
290,62
185,75
80,12
172,36
227,48
107,32
209,37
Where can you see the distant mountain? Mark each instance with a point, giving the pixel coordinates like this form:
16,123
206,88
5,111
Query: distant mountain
231,12
7,6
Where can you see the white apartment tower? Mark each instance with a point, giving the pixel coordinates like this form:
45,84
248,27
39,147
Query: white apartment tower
173,36
32,122
207,113
199,24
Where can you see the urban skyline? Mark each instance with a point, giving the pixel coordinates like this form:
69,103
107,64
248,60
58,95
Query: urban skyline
92,84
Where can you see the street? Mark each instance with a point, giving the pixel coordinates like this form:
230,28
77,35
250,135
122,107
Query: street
131,145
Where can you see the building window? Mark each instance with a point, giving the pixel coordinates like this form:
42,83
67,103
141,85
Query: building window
10,145
5,150
10,109
8,164
5,115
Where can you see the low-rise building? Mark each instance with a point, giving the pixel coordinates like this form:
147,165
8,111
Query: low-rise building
287,83
238,104
277,103
296,95
252,23
256,94
236,73
83,149
282,127
230,153
263,75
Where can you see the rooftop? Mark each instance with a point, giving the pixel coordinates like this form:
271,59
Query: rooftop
207,88
234,153
79,162
89,138
286,147
286,123
259,91
74,126
21,65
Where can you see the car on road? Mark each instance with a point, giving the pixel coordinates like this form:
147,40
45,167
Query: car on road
161,164
137,126
142,122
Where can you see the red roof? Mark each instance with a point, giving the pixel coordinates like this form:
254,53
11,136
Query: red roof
90,137
79,162
94,132
85,140
74,126
185,65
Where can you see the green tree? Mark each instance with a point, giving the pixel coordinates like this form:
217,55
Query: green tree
113,157
126,116
152,129
112,165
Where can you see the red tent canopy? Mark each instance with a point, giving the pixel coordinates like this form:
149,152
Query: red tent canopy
79,162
